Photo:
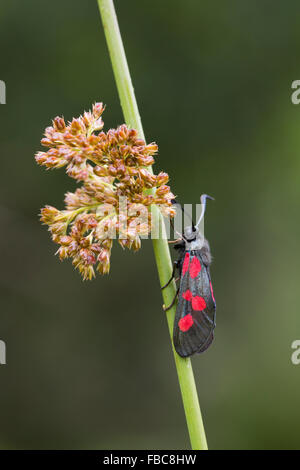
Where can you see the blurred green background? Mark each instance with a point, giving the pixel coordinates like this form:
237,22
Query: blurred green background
89,365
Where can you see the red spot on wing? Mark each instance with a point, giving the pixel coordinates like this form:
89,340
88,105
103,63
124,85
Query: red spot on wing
186,322
212,292
185,265
198,303
187,295
195,267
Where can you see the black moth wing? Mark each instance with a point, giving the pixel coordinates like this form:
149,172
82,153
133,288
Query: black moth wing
200,323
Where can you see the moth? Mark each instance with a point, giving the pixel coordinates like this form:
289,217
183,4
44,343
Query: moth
195,317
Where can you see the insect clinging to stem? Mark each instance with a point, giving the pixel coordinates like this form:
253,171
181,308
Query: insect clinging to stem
195,317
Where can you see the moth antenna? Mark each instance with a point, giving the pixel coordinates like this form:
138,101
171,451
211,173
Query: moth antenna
203,205
183,211
181,236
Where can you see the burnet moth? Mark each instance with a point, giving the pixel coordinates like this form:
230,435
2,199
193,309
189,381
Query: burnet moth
195,317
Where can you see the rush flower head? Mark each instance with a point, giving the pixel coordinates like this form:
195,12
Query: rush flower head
117,189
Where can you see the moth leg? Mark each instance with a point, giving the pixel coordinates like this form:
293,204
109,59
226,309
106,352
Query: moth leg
172,303
175,265
174,241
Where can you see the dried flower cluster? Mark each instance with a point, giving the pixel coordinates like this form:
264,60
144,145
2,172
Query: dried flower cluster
109,204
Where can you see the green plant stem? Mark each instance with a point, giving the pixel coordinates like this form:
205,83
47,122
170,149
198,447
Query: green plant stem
161,248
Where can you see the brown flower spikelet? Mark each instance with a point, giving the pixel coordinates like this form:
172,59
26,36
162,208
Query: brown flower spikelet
111,167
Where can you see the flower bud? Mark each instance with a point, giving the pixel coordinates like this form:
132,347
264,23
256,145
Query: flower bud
62,253
162,190
136,244
98,109
59,124
48,214
162,178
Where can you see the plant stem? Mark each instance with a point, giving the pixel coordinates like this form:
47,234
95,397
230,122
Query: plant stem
161,248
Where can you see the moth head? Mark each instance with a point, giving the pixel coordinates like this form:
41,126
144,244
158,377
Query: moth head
193,238
190,233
